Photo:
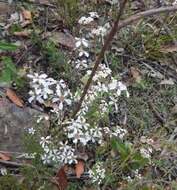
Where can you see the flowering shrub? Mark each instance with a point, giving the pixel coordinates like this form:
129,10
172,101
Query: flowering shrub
80,131
118,133
113,152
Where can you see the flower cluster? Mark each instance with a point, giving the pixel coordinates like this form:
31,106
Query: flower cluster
65,154
146,152
97,173
87,20
46,89
101,30
102,84
148,149
80,131
116,132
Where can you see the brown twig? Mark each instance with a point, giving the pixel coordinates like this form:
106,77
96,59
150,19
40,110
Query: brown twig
116,27
100,56
144,14
13,164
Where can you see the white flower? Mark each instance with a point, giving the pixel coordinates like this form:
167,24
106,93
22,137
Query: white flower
119,132
45,141
80,131
102,73
97,173
47,89
62,95
32,94
93,14
96,135
83,53
146,152
46,158
80,64
129,179
81,42
3,171
41,87
147,140
104,107
56,156
77,131
67,155
85,20
41,117
101,30
119,87
37,78
31,131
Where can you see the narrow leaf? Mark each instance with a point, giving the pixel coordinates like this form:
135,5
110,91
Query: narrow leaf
7,46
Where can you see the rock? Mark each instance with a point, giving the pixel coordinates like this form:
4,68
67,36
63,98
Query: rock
64,39
13,123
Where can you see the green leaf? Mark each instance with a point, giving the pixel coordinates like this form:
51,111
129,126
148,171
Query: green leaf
9,71
138,161
122,148
8,46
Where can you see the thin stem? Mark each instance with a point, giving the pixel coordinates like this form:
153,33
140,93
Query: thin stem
100,56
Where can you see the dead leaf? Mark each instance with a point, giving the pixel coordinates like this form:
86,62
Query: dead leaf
79,168
4,156
27,15
64,39
22,33
62,178
135,74
14,98
168,49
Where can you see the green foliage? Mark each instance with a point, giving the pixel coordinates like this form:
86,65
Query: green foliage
123,148
128,155
10,73
8,46
11,183
74,186
15,28
138,161
68,10
55,57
